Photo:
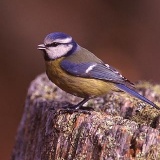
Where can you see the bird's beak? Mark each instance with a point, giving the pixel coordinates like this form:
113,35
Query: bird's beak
41,47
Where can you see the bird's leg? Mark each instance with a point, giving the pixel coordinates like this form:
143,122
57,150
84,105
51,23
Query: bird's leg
80,104
77,108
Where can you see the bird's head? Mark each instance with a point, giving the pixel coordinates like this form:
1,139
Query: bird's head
57,45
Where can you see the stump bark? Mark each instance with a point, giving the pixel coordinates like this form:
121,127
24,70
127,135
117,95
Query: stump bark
119,128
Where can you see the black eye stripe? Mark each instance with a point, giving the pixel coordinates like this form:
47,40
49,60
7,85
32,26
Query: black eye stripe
54,44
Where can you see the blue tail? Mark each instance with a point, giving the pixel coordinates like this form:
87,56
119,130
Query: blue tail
135,94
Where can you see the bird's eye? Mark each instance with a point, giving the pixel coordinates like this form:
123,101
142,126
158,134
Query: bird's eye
54,44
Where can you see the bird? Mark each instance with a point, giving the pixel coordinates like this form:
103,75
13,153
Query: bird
79,72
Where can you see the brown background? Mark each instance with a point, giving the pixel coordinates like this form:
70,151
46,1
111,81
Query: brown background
123,33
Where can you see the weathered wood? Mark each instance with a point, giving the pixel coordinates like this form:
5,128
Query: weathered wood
119,128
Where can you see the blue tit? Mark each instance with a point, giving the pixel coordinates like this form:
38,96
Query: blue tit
79,72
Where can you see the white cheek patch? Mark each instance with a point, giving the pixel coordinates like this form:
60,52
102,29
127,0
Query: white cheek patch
90,68
59,51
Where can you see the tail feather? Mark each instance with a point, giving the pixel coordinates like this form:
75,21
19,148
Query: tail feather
135,94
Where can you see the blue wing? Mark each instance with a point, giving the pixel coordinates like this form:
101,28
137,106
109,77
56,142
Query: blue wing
103,72
94,70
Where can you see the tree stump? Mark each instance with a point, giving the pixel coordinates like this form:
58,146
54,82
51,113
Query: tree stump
120,127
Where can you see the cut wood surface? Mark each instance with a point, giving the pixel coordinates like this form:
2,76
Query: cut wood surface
120,127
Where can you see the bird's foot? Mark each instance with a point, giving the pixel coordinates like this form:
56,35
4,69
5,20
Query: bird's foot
75,108
68,108
71,111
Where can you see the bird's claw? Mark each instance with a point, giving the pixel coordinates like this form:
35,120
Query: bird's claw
71,111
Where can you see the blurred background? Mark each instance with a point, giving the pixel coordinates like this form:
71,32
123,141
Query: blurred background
125,34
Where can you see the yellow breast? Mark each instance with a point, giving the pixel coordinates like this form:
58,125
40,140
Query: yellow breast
81,87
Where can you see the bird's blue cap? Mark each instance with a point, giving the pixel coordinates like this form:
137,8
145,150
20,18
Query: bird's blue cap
56,35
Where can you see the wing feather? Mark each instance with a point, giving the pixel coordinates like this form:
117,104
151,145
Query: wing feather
94,70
